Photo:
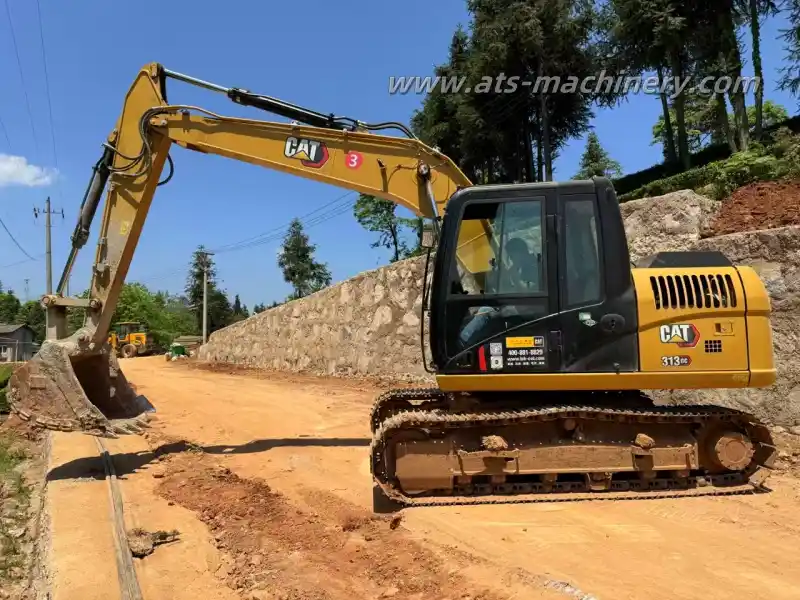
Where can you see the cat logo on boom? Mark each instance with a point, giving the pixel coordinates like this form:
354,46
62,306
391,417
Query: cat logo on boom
311,153
684,335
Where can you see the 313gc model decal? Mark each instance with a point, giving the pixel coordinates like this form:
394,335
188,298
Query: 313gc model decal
676,361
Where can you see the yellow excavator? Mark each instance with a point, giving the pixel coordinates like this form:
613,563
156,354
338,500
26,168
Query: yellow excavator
543,336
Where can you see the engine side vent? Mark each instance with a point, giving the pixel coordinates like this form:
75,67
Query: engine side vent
693,291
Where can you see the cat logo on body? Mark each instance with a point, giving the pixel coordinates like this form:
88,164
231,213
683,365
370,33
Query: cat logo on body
311,153
684,335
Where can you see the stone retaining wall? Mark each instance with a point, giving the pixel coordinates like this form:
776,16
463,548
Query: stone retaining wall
369,325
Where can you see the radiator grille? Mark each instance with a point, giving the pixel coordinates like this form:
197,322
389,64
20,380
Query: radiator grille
713,346
693,291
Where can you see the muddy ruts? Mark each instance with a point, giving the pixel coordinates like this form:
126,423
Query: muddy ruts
394,401
430,419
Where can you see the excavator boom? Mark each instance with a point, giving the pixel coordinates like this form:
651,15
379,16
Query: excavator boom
73,383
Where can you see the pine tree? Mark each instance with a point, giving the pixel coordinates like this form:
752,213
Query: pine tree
220,313
239,310
296,260
596,162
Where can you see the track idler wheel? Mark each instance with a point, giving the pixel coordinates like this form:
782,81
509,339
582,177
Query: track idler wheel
731,450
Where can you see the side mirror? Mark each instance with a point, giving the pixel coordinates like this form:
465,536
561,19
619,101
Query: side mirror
428,235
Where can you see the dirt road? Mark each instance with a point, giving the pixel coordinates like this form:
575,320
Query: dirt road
278,505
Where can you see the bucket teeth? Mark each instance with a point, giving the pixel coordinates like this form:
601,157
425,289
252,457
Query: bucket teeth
65,388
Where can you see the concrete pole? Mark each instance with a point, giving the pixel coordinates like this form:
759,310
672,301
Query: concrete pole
48,248
205,298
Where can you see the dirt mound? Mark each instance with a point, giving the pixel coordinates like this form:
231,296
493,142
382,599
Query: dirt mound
763,205
272,549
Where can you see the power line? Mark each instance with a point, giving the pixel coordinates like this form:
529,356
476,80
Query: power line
5,133
21,77
13,239
47,87
279,232
21,262
271,235
227,247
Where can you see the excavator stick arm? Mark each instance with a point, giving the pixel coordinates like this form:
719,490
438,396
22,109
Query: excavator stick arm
74,382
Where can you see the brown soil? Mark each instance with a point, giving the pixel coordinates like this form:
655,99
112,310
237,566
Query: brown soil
372,383
272,494
336,551
764,205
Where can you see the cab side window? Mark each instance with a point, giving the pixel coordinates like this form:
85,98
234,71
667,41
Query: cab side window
583,279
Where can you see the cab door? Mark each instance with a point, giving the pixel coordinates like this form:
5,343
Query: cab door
597,303
496,304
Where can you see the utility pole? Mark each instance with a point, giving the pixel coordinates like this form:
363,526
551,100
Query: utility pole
205,294
48,247
27,290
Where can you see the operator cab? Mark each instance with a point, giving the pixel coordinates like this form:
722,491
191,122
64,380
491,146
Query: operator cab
534,278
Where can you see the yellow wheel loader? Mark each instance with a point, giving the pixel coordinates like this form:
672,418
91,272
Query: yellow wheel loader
543,336
129,339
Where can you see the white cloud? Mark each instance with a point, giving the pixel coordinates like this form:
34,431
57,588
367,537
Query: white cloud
15,170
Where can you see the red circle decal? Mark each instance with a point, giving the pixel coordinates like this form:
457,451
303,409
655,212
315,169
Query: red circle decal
353,160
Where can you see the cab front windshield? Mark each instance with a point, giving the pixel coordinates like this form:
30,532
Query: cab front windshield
499,255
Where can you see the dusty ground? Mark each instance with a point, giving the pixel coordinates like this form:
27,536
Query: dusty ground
266,479
21,475
763,205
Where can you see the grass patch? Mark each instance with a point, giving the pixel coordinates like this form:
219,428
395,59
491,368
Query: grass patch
15,497
5,375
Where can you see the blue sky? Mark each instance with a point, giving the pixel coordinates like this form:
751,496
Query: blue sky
332,57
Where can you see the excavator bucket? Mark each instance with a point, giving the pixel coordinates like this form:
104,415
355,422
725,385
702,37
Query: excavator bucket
66,388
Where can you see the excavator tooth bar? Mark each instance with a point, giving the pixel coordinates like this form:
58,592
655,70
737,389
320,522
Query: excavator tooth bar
66,388
428,455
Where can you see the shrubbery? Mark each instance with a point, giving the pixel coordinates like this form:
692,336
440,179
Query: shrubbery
778,159
633,182
5,375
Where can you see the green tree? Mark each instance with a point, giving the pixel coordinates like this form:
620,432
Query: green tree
32,314
9,307
240,312
790,72
648,35
379,216
220,311
703,125
596,162
259,308
165,316
296,260
753,12
508,131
